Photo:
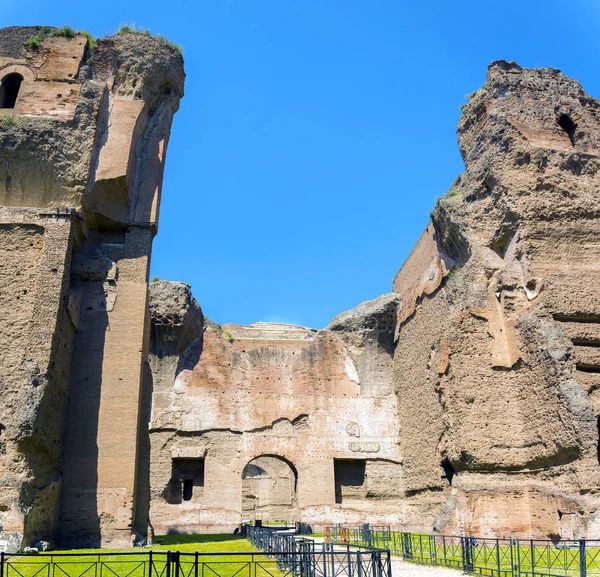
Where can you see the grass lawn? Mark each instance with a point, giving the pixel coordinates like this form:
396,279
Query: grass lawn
218,556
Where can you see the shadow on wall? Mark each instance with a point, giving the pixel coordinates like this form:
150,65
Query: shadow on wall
79,519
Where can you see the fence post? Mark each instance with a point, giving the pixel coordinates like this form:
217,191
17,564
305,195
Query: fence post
389,563
149,564
2,564
512,559
531,548
467,554
582,559
168,563
359,563
196,564
375,557
498,556
444,544
332,560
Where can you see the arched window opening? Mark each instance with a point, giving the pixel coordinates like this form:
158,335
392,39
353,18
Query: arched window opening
568,126
9,90
269,490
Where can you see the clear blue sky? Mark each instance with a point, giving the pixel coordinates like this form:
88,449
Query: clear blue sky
315,135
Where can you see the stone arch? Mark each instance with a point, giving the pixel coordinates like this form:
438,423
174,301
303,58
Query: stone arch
269,484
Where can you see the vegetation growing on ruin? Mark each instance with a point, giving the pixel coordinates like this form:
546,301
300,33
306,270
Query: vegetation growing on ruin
91,40
452,193
470,96
134,29
8,120
452,272
63,32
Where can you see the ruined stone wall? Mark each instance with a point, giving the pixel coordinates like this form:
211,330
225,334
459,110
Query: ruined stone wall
83,147
465,402
240,394
495,365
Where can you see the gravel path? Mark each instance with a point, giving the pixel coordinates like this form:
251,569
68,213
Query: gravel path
403,569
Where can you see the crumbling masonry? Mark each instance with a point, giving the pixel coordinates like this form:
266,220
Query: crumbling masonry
83,137
466,400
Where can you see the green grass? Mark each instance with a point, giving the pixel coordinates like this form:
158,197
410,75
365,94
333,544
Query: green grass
223,554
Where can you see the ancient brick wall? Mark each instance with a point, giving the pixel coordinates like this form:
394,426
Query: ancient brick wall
83,146
238,396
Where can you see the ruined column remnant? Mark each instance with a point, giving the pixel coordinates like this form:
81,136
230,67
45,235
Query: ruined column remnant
83,138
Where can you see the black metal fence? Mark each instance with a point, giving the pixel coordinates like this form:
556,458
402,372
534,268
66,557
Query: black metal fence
483,556
301,557
284,555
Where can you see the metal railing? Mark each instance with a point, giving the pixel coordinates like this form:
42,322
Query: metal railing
478,555
294,560
303,558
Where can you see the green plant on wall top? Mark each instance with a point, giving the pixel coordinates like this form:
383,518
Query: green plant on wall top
134,29
65,31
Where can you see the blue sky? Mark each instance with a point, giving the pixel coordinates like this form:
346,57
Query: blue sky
315,135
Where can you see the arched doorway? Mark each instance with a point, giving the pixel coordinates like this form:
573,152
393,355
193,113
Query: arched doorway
9,89
269,490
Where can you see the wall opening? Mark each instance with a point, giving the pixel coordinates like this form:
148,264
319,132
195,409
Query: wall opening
349,475
9,90
449,471
187,481
567,124
269,490
188,489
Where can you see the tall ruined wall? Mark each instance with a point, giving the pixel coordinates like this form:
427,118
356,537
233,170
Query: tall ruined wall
472,391
237,396
82,150
496,361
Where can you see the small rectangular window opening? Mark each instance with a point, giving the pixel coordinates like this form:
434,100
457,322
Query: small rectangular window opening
187,481
188,489
349,476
